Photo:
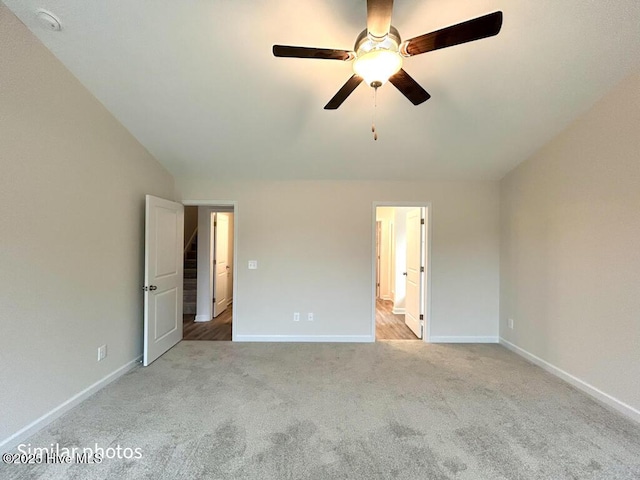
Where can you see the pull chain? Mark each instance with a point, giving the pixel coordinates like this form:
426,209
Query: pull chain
373,118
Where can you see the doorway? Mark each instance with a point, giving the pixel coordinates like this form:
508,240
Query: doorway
401,271
209,260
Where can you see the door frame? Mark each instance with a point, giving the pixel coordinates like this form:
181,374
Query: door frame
234,205
426,292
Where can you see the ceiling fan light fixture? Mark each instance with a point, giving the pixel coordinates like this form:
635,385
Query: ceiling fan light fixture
376,66
378,52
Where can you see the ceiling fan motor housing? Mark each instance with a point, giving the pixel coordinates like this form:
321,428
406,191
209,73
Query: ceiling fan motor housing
366,42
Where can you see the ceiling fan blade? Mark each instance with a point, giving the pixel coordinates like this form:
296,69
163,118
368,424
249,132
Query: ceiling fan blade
343,93
481,27
379,17
409,87
310,52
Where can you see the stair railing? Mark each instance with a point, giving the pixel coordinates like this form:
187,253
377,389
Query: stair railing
187,246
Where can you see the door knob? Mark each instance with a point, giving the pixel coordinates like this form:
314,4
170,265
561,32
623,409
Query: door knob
404,273
152,287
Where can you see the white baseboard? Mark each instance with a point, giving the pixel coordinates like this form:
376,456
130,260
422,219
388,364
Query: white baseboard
462,339
38,424
202,318
306,338
398,311
587,388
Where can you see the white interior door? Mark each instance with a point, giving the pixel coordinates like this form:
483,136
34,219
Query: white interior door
221,263
414,275
163,269
378,240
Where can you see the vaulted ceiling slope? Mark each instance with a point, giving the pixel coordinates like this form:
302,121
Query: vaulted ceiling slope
198,86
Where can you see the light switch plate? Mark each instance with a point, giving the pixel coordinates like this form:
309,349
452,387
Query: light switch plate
102,352
253,264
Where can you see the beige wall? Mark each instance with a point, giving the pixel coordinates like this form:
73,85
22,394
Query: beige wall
314,241
72,188
570,248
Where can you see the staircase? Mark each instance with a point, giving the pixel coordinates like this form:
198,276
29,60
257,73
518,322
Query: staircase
190,279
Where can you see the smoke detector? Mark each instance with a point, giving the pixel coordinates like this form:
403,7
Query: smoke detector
49,20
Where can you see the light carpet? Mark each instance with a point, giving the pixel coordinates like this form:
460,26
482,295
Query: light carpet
389,410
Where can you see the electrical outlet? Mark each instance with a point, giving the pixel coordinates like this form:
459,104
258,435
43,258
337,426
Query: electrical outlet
102,352
510,323
253,264
296,316
310,317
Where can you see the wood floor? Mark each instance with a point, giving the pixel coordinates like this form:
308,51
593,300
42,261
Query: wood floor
217,329
390,326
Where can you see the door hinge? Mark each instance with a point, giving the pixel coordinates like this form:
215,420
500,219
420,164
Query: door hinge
421,317
215,261
422,221
215,224
214,300
422,269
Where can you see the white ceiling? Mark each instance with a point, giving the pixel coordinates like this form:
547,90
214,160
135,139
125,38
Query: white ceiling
196,83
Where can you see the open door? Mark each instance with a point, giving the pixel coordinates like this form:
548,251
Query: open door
378,240
221,263
413,305
163,268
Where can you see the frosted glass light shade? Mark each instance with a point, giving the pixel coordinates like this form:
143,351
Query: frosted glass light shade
376,66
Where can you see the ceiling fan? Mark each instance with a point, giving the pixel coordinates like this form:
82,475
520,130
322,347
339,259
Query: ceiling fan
379,51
